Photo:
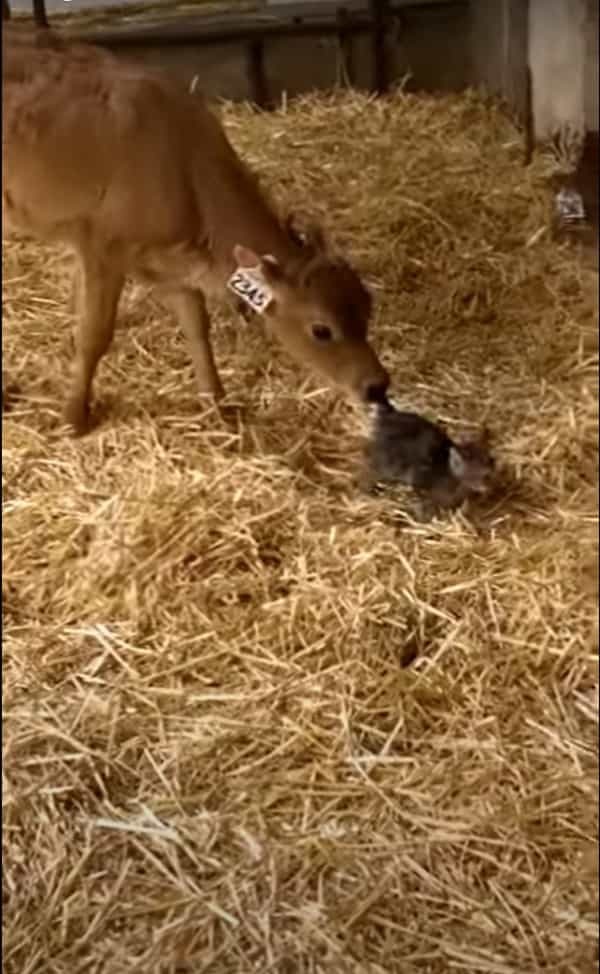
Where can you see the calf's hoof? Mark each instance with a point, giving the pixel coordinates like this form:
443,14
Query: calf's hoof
10,395
77,418
211,395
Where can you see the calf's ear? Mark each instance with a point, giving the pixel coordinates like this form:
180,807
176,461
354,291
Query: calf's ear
269,266
271,269
306,234
244,257
315,238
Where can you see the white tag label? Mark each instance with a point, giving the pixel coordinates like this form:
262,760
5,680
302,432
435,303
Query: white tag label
569,205
248,285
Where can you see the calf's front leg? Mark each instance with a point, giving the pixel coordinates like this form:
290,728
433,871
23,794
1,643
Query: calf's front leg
190,309
97,287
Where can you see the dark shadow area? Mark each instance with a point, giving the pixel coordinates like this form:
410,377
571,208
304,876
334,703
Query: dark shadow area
584,183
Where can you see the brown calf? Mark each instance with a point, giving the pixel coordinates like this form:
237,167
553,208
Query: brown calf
138,177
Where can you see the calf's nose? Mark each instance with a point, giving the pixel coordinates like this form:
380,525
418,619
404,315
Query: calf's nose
376,392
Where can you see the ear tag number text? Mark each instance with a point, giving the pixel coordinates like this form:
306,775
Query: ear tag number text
249,286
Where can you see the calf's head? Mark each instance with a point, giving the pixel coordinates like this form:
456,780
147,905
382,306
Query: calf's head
320,313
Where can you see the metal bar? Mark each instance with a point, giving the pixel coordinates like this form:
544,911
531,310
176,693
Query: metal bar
345,42
256,73
379,15
39,13
223,35
529,121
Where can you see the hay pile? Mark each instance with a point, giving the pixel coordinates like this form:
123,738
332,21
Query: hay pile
255,721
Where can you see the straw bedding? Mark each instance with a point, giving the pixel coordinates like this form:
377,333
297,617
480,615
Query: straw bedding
253,719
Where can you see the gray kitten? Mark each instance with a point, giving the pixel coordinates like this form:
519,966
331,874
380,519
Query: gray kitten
406,448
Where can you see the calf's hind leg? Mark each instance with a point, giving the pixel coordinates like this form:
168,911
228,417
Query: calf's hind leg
190,309
98,289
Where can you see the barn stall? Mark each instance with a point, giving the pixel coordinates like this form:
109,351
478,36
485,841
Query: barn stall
254,719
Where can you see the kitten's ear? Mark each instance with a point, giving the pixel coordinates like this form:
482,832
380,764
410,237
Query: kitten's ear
456,463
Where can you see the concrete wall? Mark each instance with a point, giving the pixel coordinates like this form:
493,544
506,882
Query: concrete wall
563,57
558,39
498,32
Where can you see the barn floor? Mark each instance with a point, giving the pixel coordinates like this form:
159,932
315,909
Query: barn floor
253,720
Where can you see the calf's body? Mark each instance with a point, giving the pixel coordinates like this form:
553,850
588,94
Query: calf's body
137,175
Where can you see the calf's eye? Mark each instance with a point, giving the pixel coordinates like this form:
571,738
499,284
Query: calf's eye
322,333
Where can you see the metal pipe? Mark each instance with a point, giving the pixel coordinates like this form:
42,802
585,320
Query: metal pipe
256,73
529,126
39,13
346,47
379,15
